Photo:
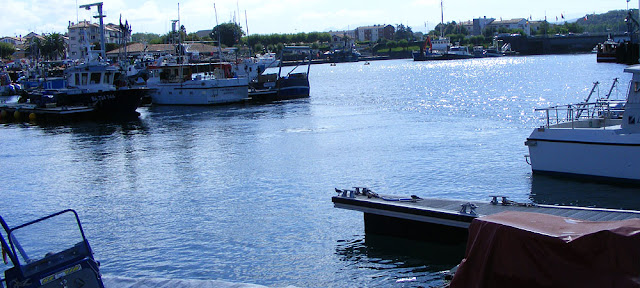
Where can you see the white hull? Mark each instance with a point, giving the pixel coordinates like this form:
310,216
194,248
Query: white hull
602,153
200,92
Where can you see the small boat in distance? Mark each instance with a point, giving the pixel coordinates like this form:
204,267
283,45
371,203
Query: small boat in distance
596,140
606,51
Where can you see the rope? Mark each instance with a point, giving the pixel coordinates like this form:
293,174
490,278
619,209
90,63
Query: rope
364,191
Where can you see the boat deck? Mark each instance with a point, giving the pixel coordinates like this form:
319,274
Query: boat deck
33,108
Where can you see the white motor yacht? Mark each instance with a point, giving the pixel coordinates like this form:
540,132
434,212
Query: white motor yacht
598,140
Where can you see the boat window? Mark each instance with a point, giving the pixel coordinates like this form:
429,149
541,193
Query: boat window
85,79
95,78
76,79
108,78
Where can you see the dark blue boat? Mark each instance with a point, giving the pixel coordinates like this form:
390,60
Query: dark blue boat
285,85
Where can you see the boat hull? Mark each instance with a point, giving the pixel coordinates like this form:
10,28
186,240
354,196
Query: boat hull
606,58
585,153
434,57
116,103
204,92
292,88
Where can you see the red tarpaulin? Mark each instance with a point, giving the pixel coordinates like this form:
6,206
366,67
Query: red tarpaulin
521,249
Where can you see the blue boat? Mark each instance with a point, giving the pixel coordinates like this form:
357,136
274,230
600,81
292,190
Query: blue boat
289,82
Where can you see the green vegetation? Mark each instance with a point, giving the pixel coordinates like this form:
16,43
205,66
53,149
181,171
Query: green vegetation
612,21
228,33
145,38
51,47
6,50
404,39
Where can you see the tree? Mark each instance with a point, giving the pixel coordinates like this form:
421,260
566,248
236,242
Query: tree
6,50
403,43
230,34
53,46
33,47
392,44
144,37
403,32
192,37
258,48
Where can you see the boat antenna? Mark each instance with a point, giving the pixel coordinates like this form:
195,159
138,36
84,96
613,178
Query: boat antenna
217,26
246,22
238,8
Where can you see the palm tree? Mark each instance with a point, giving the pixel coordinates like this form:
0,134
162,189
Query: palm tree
53,46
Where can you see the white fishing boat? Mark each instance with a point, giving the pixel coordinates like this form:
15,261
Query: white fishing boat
93,86
196,84
597,140
173,80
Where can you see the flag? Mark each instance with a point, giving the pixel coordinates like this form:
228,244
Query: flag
585,17
561,15
556,18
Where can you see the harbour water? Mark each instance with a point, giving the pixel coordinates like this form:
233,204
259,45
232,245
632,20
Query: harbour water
242,193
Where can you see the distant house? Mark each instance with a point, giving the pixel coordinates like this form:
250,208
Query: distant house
78,32
373,33
204,33
342,39
479,25
15,41
536,26
517,23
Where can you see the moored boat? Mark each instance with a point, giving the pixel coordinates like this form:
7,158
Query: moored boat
598,140
96,85
196,84
606,51
288,82
7,86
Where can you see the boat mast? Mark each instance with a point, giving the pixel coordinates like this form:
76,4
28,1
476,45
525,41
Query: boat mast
218,26
441,20
101,16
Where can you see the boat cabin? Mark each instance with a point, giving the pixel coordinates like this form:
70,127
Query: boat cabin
181,73
95,78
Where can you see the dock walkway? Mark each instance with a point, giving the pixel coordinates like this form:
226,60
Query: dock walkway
395,215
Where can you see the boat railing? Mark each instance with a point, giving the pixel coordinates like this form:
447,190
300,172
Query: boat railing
599,114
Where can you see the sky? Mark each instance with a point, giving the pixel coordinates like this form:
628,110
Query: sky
20,17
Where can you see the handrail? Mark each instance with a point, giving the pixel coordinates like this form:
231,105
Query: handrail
601,109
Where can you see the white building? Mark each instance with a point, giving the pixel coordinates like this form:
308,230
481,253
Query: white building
478,25
517,23
78,32
15,41
342,39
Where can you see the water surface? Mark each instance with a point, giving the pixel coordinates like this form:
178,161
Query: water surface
242,193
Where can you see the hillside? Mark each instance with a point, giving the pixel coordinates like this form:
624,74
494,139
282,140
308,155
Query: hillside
612,21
